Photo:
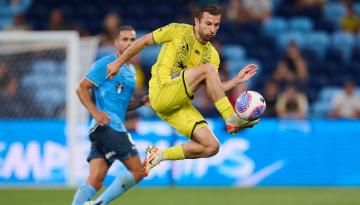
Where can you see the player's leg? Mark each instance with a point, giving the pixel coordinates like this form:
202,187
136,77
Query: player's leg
204,144
206,74
121,147
98,170
189,122
124,181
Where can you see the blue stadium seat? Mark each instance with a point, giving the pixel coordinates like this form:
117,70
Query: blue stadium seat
104,51
357,41
357,8
149,55
287,37
233,52
275,4
140,33
327,93
343,42
274,26
334,11
319,42
301,24
234,66
323,105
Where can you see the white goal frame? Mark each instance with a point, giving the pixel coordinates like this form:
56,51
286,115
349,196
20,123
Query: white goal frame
71,41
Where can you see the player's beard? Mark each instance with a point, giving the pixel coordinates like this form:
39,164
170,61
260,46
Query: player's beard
206,37
209,37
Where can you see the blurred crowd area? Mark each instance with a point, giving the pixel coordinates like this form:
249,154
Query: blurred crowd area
308,51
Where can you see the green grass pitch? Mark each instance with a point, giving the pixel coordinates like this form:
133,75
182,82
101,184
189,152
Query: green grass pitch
193,196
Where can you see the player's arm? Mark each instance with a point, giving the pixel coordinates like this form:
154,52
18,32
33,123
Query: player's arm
134,49
244,75
160,35
83,91
135,103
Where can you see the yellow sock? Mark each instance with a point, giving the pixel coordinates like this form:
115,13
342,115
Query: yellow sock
224,107
174,153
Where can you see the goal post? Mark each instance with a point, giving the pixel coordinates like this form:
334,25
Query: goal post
57,50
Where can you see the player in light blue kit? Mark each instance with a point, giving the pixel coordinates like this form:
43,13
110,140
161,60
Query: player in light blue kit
109,137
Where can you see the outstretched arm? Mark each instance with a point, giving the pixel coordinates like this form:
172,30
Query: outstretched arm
134,49
244,75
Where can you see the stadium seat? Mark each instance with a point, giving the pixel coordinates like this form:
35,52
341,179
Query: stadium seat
334,11
149,55
233,52
234,66
317,41
104,51
357,41
323,105
287,37
301,24
357,8
343,42
44,67
140,33
274,26
275,5
327,92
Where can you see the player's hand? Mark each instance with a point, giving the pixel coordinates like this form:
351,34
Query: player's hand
246,73
112,69
102,118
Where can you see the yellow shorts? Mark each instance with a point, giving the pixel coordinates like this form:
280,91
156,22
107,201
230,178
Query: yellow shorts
172,103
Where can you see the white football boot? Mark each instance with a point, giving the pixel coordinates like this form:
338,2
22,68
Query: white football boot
235,123
93,203
153,158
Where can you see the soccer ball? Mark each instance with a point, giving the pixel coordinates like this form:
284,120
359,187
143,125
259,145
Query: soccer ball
250,105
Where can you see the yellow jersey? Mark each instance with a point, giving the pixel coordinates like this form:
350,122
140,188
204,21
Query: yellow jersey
180,50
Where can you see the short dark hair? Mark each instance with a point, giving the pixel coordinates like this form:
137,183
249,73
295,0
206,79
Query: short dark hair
212,9
122,28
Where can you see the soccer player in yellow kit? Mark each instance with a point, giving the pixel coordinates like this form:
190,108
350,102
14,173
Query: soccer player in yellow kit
186,61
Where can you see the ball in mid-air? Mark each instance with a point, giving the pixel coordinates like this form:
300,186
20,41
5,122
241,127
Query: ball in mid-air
250,105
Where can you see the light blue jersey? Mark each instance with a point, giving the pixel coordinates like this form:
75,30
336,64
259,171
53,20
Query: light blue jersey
112,96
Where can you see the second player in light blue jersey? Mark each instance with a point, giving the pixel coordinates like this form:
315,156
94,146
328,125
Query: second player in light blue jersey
110,140
112,96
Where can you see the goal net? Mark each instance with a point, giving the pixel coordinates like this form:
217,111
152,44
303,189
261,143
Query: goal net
41,120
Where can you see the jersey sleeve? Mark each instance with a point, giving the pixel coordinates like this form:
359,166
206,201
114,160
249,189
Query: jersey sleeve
215,59
97,72
165,34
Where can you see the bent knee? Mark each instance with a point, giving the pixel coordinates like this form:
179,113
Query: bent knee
97,184
212,150
137,174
